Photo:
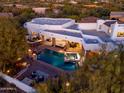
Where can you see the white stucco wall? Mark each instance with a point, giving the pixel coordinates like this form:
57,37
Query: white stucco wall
91,46
87,26
60,36
31,25
92,37
68,24
99,26
117,28
104,28
99,23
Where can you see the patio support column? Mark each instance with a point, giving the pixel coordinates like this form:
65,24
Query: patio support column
53,41
42,38
83,58
67,45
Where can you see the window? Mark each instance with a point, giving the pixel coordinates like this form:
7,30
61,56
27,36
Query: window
120,34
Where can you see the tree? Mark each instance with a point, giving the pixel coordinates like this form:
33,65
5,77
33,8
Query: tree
24,15
1,8
99,12
12,42
71,10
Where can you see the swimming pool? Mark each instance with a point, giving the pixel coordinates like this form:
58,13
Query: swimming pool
56,59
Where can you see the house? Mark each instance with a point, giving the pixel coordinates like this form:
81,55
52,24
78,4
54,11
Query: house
56,11
91,35
57,1
21,6
103,1
6,14
40,10
92,6
117,15
90,19
73,2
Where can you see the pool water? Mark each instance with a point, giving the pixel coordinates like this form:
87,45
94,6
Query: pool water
56,59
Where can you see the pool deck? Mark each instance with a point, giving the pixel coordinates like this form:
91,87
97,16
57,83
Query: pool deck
42,66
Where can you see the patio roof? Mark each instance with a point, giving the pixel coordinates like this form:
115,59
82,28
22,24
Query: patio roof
63,32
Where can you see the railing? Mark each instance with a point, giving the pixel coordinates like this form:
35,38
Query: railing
21,72
18,84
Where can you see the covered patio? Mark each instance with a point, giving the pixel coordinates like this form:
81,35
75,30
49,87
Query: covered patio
66,45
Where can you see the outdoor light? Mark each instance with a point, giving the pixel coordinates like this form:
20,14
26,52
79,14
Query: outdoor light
115,56
99,53
29,50
60,51
8,71
18,58
34,54
67,84
83,58
24,64
95,2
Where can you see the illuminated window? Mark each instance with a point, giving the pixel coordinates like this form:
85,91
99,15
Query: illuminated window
120,34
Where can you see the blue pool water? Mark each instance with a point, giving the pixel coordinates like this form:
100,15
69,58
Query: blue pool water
56,59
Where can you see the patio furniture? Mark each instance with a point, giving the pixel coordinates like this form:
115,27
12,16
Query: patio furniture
39,79
39,76
34,74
